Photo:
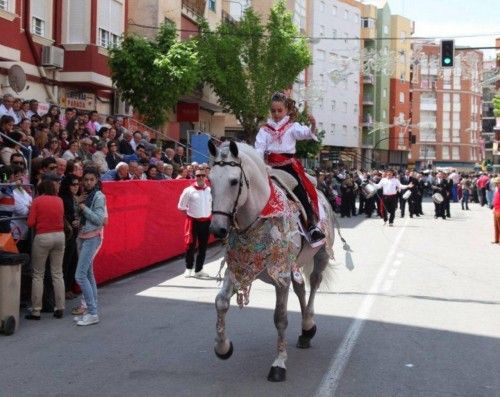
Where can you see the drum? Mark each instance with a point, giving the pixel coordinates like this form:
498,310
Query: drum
407,194
437,198
369,189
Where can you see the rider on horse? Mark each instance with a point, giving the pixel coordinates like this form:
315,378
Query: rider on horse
276,142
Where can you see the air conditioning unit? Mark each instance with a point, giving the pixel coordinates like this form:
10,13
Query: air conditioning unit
53,57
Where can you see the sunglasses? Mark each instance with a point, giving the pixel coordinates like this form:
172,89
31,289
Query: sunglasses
200,176
113,145
75,184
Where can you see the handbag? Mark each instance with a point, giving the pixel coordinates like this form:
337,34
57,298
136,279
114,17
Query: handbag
7,243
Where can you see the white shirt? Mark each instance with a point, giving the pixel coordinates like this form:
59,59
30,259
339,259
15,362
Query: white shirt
22,202
265,142
68,155
196,202
390,186
9,112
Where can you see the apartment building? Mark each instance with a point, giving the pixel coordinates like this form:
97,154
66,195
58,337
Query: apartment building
446,109
58,48
399,101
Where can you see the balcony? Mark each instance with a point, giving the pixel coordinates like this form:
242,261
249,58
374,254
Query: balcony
367,121
194,8
368,79
428,105
368,100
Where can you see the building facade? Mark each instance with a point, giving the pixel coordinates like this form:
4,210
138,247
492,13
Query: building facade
399,101
198,111
59,48
337,108
446,109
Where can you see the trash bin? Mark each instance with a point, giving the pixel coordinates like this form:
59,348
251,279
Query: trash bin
10,290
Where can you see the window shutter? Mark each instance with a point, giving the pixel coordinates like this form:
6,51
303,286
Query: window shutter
78,23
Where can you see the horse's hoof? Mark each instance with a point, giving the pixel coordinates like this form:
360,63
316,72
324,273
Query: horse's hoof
277,374
225,356
304,341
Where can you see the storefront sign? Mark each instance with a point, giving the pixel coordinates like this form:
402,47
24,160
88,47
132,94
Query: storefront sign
188,112
78,100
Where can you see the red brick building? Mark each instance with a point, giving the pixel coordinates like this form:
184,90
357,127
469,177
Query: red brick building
60,45
446,109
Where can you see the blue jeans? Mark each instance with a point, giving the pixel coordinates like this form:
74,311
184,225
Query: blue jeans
465,199
84,275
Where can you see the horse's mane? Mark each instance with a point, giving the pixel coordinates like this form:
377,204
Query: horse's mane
248,153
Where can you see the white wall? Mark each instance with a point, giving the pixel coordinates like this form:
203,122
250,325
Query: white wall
337,54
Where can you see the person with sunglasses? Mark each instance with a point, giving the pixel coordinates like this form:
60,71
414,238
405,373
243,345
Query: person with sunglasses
196,202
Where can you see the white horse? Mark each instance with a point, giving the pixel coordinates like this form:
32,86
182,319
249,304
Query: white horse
268,247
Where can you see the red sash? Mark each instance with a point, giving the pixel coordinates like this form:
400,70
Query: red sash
188,224
274,206
276,159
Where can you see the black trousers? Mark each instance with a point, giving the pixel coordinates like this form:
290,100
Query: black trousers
390,204
70,260
301,194
200,235
402,205
439,210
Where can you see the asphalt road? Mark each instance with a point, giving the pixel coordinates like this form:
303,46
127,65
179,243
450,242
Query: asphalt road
419,315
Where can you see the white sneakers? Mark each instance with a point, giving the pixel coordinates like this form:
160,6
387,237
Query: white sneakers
201,274
87,319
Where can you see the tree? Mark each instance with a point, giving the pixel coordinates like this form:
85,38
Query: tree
245,62
308,149
153,74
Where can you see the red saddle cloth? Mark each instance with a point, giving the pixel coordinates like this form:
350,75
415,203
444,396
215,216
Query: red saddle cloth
277,159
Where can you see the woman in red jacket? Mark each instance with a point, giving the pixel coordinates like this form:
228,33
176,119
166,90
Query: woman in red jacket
46,216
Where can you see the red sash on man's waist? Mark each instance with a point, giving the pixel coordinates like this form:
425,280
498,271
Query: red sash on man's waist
280,159
188,228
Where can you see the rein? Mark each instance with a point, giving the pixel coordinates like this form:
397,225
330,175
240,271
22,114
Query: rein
243,177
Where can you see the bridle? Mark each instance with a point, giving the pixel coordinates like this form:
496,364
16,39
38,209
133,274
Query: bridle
243,177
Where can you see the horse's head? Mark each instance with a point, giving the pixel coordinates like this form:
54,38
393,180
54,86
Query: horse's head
229,186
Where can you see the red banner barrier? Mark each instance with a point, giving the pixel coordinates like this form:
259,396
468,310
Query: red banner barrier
145,226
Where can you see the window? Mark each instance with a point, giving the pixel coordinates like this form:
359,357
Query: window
446,153
427,152
110,22
355,130
41,18
401,97
332,128
402,36
38,26
334,10
355,108
322,30
455,153
6,5
356,18
446,135
386,29
446,98
334,33
322,7
344,129
320,126
211,5
456,98
384,93
76,26
384,114
456,82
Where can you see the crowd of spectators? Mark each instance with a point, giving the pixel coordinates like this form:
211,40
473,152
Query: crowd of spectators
56,147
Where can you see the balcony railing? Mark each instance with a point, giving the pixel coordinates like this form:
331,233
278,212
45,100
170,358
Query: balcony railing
431,105
196,7
367,100
368,79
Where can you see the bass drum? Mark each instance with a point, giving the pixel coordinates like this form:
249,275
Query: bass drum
437,198
369,190
407,194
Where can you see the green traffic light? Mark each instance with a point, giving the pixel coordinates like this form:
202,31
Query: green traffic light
447,61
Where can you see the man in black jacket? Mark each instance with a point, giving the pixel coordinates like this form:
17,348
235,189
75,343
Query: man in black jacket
440,186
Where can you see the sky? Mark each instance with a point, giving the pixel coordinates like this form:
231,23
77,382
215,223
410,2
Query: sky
452,18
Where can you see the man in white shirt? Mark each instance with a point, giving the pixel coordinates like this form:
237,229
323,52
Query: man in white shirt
196,203
390,185
7,109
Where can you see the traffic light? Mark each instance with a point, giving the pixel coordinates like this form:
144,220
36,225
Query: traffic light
447,53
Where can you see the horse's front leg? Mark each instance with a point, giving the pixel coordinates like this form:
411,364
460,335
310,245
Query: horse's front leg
278,369
223,346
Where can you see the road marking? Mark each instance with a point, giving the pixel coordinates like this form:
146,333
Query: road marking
333,375
387,285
